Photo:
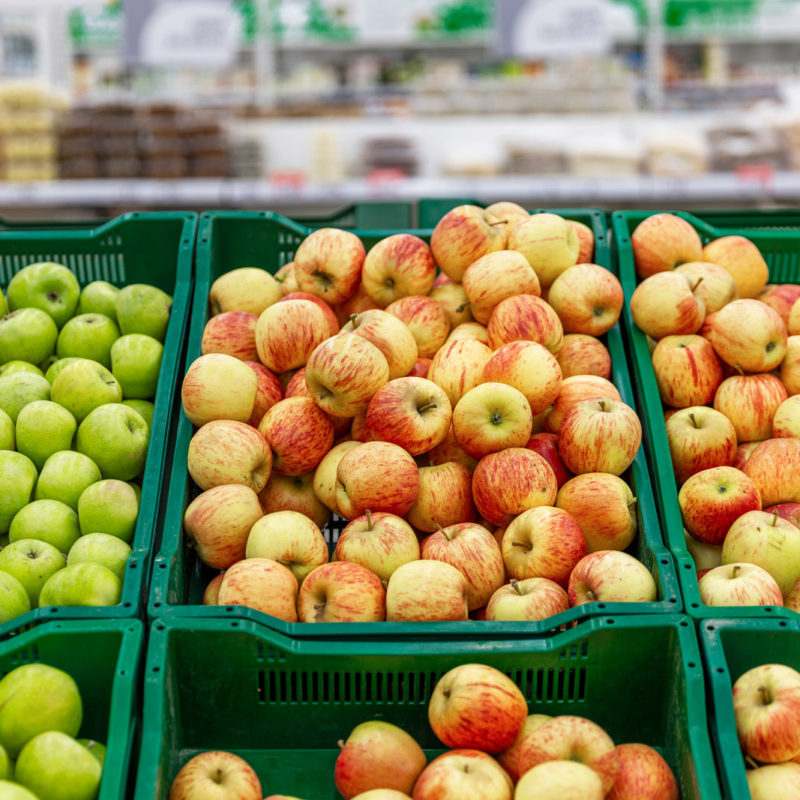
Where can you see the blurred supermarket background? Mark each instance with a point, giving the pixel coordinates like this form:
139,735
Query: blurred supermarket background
304,106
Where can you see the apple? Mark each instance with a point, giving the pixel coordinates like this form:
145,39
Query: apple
108,506
85,584
774,468
687,370
344,372
458,366
787,511
599,435
8,433
31,562
380,542
247,289
711,283
88,336
496,276
526,317
463,773
218,522
211,593
462,236
473,550
611,576
268,391
774,780
470,330
664,305
377,755
699,438
43,428
17,479
543,542
448,450
294,493
28,334
786,422
390,335
749,335
413,413
218,386
425,318
767,541
571,738
643,773
509,214
14,598
287,332
527,600
604,507
426,591
750,402
477,706
97,750
324,482
560,780
12,367
341,592
712,499
575,389
454,301
780,297
115,437
19,389
662,242
47,286
398,266
48,521
55,367
548,242
216,774
507,483
233,333
99,297
135,363
64,477
377,475
358,302
739,585
766,706
546,445
101,548
792,599
509,758
741,258
444,497
261,584
328,263
52,760
142,308
587,298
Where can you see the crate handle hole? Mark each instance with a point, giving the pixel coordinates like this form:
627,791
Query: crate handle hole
782,623
768,608
234,624
720,669
695,605
126,605
684,623
162,566
159,627
665,561
691,664
156,605
156,669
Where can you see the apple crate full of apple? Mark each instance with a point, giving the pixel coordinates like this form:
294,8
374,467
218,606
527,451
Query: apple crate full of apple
90,344
713,324
288,488
294,705
753,668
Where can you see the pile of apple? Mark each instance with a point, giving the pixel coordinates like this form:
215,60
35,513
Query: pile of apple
766,705
474,447
498,752
78,371
40,759
726,357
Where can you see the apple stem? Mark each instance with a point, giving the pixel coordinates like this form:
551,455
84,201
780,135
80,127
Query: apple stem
427,406
443,532
515,585
354,319
751,762
693,420
461,308
499,222
766,697
368,515
340,744
774,519
735,571
602,404
738,367
699,281
633,502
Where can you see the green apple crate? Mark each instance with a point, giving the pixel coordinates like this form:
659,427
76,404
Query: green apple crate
227,240
781,250
640,677
104,659
154,248
372,215
24,225
730,648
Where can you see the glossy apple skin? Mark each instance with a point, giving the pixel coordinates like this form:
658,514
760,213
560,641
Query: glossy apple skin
496,276
444,497
233,333
262,584
774,467
294,493
426,591
663,305
548,242
390,335
687,370
426,319
328,263
458,367
218,386
528,318
509,758
774,780
587,298
530,599
610,576
341,592
546,445
560,780
448,450
333,323
663,241
268,391
780,297
287,333
750,403
211,593
749,335
717,287
572,391
644,774
700,438
216,773
742,259
398,266
789,370
477,706
454,301
787,511
739,585
583,355
463,773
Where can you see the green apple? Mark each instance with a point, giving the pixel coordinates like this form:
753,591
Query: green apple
64,476
136,488
6,767
31,562
135,362
103,549
7,432
48,521
28,334
143,407
115,437
17,479
56,767
48,362
35,698
43,428
14,599
3,304
99,297
48,286
13,791
143,309
95,748
10,367
21,388
109,506
84,584
83,386
52,371
88,336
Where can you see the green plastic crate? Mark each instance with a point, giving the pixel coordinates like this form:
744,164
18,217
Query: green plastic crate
773,218
153,248
48,224
781,249
374,215
730,648
104,660
232,239
282,704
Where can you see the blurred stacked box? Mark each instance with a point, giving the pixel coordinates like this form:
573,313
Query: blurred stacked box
27,136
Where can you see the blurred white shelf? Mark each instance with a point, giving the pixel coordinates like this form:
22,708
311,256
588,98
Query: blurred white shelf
552,190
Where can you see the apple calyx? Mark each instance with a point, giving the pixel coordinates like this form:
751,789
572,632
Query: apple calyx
597,311
323,278
496,418
368,515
